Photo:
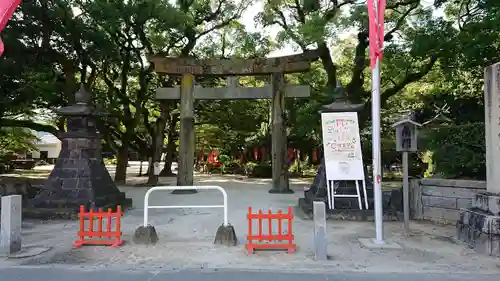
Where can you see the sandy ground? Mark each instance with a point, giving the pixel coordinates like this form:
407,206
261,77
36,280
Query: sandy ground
186,238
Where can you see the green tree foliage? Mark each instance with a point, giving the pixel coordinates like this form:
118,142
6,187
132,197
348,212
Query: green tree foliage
13,140
433,65
456,151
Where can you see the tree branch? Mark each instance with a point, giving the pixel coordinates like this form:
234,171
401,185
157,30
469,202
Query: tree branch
330,14
410,78
30,125
399,23
300,12
402,3
355,86
328,65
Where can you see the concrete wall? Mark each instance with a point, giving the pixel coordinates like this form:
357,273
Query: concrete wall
440,200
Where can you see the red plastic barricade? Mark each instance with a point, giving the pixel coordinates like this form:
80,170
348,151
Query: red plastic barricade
279,241
108,236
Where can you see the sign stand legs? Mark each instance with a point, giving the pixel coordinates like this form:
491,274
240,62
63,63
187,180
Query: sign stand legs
364,193
359,196
329,191
331,194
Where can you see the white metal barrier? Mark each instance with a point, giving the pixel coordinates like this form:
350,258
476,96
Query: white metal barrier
147,207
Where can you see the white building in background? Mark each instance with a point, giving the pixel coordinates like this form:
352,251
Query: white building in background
48,147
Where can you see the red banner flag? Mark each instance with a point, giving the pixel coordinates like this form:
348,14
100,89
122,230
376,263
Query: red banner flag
7,8
376,29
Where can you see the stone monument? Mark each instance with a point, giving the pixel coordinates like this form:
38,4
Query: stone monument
479,225
79,176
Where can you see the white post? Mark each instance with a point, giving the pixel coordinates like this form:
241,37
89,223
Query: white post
377,163
11,221
406,194
320,237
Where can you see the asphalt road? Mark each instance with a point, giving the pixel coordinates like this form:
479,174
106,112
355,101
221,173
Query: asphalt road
50,274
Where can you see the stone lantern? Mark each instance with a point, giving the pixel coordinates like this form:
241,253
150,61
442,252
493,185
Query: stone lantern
79,176
341,103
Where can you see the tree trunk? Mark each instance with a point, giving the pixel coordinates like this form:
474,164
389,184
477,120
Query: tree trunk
169,159
121,164
171,147
328,65
158,139
149,166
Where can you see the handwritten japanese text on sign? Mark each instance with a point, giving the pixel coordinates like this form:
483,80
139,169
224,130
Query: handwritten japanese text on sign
341,143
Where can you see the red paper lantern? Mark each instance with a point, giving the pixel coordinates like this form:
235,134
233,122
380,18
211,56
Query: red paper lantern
291,151
202,156
314,156
255,154
211,157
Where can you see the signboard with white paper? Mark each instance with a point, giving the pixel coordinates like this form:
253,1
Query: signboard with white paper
156,169
342,146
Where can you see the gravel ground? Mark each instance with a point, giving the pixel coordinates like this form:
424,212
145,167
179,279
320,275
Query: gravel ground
45,274
186,240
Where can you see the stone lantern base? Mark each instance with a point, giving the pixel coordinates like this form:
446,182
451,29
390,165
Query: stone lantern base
479,226
78,178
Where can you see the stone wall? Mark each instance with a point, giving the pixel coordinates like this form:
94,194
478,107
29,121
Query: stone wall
440,200
28,188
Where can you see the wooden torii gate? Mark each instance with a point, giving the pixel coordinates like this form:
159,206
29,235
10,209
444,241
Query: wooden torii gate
276,67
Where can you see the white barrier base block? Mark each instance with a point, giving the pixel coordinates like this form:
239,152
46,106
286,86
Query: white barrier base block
369,243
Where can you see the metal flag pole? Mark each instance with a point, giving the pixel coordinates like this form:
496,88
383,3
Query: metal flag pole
376,164
376,155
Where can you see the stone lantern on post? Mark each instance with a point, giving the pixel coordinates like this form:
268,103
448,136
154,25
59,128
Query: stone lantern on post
79,176
406,141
